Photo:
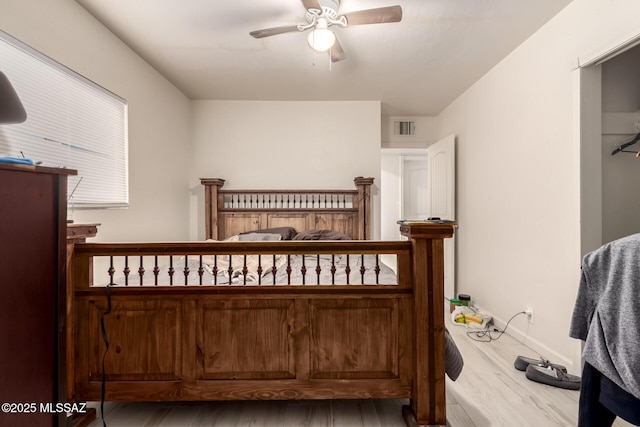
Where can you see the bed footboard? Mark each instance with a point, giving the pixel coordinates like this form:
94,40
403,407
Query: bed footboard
366,338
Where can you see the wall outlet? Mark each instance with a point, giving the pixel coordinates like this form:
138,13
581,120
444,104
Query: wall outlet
530,315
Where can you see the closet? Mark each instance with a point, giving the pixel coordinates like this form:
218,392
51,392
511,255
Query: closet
620,125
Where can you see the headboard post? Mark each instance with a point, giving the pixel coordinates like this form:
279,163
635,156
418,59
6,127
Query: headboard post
211,188
364,206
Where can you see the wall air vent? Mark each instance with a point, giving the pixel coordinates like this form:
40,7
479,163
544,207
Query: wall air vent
404,128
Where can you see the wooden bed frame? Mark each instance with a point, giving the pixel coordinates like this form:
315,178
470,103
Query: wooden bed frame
251,342
230,212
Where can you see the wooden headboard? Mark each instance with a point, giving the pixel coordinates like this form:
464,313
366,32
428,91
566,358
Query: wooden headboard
231,212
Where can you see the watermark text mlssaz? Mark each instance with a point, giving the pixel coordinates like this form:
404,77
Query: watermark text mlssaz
47,407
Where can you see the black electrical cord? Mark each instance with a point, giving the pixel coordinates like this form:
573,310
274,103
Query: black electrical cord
484,335
106,344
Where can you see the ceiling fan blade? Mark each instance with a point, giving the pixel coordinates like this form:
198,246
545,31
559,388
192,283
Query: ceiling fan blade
311,4
336,52
374,16
273,31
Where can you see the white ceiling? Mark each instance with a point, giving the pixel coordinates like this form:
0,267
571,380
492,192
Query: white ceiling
415,67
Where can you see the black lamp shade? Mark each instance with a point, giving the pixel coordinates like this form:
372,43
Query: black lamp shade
11,109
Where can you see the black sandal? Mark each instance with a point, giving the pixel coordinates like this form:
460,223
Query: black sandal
552,376
522,363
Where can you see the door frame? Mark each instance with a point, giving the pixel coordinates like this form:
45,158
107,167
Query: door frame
385,198
588,139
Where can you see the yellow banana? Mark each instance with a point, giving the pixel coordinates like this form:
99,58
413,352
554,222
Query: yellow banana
475,319
466,318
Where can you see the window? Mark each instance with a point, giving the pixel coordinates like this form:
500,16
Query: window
71,122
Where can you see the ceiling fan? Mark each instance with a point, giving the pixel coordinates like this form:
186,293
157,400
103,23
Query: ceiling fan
321,14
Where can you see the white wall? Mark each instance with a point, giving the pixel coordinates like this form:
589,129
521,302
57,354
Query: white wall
285,145
159,127
518,183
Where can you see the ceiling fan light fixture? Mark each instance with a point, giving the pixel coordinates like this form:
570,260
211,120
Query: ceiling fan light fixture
322,14
321,39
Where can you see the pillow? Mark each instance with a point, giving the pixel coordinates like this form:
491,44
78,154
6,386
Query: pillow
321,235
259,237
287,233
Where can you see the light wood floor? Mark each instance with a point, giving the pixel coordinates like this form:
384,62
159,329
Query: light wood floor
489,392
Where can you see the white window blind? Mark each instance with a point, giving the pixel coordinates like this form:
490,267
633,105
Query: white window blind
71,122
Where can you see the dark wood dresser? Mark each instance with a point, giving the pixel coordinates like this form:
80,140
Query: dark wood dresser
33,253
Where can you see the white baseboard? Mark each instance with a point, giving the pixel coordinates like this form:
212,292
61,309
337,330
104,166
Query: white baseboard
539,348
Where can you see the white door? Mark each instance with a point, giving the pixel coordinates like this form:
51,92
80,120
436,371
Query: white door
441,199
414,187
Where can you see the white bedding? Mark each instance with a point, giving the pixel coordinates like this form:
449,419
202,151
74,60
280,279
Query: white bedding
289,269
294,263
